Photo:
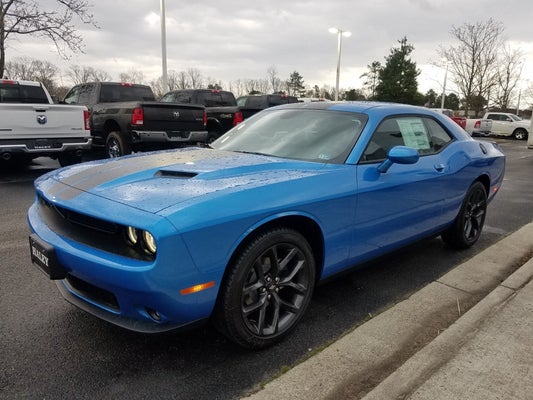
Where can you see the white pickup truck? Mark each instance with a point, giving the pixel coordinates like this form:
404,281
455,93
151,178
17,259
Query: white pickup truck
31,125
507,124
478,127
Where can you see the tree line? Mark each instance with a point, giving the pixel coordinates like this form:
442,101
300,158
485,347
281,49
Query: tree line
485,70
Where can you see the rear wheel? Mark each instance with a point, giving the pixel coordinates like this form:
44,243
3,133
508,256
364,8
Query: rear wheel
267,290
117,145
468,224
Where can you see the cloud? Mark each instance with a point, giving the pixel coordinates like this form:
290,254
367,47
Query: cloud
237,39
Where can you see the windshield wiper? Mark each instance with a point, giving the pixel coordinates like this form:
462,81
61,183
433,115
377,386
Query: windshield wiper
253,152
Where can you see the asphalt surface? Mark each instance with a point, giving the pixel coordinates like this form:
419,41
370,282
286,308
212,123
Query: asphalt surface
49,349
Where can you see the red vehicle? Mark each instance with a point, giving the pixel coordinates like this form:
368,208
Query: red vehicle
461,121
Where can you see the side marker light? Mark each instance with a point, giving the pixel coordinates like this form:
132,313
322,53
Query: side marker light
197,288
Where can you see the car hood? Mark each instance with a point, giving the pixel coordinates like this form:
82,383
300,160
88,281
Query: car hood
155,181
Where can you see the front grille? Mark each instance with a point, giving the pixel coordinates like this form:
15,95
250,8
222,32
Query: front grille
100,234
81,219
94,293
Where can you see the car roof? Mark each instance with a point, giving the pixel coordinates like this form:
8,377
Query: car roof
358,106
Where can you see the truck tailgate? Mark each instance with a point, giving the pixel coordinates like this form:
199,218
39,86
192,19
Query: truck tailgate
173,117
42,120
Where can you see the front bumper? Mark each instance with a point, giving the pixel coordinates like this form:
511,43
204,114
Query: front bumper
139,295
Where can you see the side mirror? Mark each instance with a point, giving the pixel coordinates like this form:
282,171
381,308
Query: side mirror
399,155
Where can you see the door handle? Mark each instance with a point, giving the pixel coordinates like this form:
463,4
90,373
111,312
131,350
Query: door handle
439,167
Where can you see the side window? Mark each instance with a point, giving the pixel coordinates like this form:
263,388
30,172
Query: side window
86,94
73,95
182,97
423,134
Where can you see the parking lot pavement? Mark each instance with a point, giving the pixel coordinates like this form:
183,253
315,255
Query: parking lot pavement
428,347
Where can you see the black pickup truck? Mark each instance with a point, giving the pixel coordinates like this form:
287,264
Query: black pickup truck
252,104
221,107
126,117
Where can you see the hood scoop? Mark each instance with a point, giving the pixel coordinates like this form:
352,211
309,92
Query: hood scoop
175,174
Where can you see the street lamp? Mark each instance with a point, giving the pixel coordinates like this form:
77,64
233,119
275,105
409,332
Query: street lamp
444,86
164,47
340,33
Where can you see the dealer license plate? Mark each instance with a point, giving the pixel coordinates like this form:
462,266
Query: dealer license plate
43,256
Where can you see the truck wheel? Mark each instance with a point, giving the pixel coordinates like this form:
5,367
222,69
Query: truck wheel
69,159
116,145
520,134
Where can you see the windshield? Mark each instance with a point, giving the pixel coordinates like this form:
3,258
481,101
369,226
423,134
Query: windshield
515,117
303,134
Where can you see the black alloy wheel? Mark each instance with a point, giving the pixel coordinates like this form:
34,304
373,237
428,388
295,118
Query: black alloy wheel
468,224
268,289
117,145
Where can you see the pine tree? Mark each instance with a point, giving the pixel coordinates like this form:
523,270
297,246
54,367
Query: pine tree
397,79
295,84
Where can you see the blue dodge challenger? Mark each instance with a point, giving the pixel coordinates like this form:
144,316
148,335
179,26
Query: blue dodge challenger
241,232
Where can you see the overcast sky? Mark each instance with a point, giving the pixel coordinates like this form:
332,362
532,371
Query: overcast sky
233,39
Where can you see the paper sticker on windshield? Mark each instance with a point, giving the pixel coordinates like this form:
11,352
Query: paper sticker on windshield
414,133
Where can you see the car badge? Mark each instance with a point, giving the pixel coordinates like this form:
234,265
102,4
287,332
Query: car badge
41,119
176,114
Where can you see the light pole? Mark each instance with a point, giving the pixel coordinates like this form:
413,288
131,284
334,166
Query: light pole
164,47
340,33
444,86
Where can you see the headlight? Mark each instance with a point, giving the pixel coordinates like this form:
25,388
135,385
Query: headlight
141,240
149,243
131,234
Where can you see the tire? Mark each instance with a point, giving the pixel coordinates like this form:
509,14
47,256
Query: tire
520,134
69,159
468,224
117,145
267,289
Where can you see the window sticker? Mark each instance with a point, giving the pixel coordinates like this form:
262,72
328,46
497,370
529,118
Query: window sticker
414,133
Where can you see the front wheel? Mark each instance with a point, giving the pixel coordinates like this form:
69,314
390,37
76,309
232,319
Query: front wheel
267,289
468,224
117,145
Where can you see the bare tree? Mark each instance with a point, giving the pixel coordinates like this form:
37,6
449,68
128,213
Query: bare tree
27,68
473,61
81,74
55,23
195,78
132,76
182,80
273,80
509,72
238,88
371,79
157,87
